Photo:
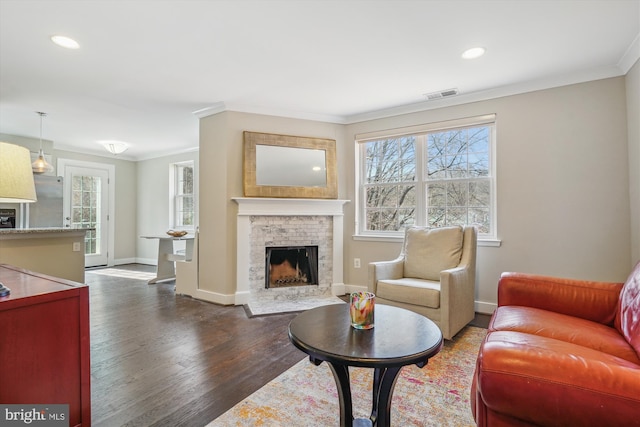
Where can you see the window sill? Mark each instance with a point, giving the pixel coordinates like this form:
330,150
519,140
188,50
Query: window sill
493,243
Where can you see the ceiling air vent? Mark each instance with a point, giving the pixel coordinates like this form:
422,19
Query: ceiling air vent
441,94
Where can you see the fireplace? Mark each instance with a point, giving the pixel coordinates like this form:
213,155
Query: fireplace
288,223
291,266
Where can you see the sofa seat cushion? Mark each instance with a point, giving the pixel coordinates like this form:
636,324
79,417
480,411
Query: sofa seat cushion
550,382
428,251
562,327
410,291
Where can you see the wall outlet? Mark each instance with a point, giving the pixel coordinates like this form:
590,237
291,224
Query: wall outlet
356,263
76,246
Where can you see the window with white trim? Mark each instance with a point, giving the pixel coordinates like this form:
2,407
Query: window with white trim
182,196
433,175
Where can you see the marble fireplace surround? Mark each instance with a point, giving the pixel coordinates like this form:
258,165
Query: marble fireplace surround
253,210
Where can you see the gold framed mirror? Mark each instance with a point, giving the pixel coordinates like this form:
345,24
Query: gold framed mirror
289,166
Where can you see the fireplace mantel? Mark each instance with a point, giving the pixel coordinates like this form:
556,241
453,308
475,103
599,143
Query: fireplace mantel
273,206
258,206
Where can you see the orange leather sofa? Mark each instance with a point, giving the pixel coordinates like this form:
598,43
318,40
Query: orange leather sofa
560,352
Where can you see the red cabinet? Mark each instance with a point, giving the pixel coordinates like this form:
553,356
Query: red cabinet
44,343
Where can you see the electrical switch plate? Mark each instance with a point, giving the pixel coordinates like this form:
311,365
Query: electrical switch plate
76,246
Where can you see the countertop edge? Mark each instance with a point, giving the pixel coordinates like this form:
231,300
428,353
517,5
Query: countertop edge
17,232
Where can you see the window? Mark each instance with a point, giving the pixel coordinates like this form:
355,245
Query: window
182,190
434,175
85,209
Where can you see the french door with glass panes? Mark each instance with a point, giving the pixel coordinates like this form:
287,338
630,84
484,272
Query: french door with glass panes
86,206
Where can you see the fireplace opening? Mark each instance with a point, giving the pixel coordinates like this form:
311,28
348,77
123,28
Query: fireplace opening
291,266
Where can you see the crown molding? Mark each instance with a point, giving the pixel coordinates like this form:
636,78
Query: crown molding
625,64
631,56
485,95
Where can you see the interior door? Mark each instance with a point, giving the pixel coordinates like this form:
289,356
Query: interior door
86,205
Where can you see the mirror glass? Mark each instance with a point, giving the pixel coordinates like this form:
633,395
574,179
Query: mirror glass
288,166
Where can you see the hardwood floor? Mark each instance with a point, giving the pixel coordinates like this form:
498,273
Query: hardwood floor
160,359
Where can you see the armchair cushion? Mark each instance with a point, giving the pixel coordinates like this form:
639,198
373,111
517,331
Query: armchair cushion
428,251
410,291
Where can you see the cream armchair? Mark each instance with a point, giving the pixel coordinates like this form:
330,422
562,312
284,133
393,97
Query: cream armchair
434,275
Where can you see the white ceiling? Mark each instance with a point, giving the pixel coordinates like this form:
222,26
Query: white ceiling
144,67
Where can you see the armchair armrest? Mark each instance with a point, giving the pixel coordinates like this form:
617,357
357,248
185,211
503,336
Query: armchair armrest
384,270
457,299
595,301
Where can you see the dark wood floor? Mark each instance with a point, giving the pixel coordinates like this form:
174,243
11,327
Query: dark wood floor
160,359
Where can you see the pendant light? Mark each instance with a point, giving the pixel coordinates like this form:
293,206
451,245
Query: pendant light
41,166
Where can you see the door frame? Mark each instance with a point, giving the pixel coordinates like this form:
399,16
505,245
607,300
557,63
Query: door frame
111,197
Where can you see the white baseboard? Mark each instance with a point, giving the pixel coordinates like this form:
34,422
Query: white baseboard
123,261
146,261
241,298
485,307
354,288
214,297
338,289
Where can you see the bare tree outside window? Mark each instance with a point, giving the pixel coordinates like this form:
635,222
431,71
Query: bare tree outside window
457,178
450,185
390,183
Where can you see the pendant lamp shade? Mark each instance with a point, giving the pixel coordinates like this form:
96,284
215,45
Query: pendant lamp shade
16,177
40,165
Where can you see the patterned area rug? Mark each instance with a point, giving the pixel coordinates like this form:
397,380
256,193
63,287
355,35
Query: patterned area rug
305,395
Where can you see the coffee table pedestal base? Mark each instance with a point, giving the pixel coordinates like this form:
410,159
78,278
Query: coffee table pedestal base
384,381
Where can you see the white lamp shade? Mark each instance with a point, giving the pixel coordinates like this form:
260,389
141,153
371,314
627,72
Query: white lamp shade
16,176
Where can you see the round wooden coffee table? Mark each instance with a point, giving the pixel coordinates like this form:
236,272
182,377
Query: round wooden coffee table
399,338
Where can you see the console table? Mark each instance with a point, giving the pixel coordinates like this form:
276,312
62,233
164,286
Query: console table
166,269
44,343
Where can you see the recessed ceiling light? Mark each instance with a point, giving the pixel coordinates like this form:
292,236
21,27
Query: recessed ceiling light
65,42
474,52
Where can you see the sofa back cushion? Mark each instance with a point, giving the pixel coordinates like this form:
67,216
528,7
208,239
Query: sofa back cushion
628,315
428,251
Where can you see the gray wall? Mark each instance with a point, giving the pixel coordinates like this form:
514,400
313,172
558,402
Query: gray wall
563,185
153,207
125,190
632,80
568,185
221,149
126,201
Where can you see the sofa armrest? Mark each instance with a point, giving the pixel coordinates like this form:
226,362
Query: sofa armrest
595,301
384,270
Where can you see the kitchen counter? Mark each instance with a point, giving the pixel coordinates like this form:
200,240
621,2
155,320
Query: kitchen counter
57,252
8,233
